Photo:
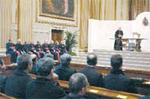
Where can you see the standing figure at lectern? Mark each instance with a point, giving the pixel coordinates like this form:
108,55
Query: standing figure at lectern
118,39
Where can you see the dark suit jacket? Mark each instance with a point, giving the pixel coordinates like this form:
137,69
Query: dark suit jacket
94,78
16,84
70,96
19,47
8,45
64,72
42,88
62,48
2,82
116,80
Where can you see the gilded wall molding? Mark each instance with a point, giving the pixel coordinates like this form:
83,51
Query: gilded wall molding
56,20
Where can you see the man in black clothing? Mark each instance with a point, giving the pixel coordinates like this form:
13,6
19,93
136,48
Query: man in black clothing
94,78
13,53
77,85
19,46
31,46
63,70
17,82
44,86
25,47
54,49
62,47
118,39
116,79
9,44
38,46
45,46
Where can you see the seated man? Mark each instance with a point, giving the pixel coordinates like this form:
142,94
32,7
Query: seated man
17,82
63,70
94,78
44,86
2,77
77,85
116,79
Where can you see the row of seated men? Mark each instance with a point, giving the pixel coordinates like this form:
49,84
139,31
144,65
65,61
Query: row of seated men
45,86
13,50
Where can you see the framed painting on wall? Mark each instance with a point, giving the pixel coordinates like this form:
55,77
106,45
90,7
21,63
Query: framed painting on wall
58,11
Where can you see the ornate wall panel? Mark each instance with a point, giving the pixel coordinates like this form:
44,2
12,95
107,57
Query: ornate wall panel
64,12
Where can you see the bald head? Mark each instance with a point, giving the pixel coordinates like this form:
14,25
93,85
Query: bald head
91,59
24,61
77,82
44,66
65,59
116,61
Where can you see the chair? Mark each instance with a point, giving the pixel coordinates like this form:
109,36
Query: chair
133,44
136,35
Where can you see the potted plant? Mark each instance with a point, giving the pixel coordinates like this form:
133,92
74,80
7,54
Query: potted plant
70,41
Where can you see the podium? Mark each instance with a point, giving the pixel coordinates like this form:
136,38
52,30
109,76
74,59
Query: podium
132,44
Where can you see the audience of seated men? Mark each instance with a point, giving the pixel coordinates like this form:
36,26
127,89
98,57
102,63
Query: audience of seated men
13,50
77,86
44,86
63,70
116,80
16,83
94,78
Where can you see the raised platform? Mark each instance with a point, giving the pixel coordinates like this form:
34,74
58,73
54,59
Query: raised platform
131,60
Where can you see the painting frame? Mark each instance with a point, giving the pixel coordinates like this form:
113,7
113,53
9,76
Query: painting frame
57,19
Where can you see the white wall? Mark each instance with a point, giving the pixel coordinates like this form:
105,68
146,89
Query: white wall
143,30
42,32
101,32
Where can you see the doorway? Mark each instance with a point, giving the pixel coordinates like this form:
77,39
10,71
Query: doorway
57,35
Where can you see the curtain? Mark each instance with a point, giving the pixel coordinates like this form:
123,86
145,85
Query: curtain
25,20
94,9
137,7
5,21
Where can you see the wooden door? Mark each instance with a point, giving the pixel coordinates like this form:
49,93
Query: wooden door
57,35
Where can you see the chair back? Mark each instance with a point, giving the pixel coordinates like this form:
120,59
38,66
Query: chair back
136,35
